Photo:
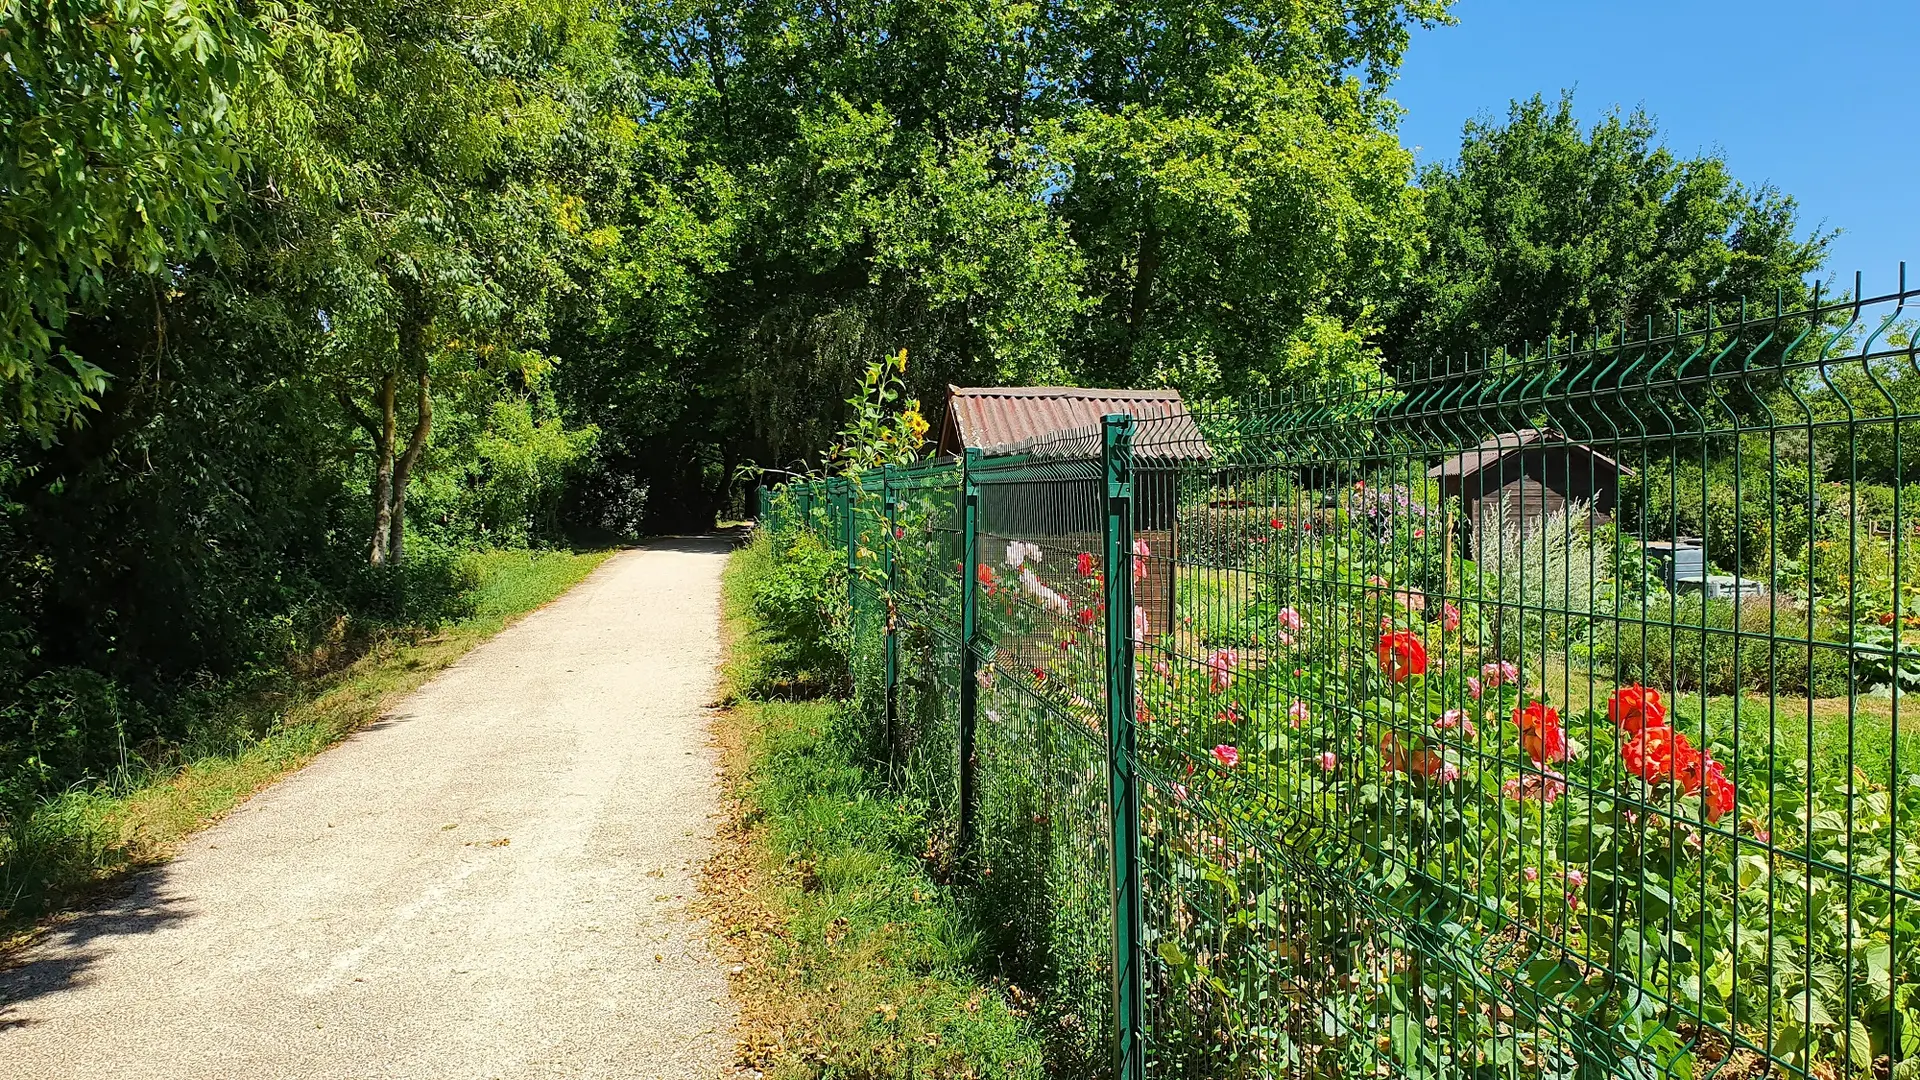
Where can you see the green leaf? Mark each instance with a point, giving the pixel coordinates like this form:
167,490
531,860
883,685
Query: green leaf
1806,1008
1859,1044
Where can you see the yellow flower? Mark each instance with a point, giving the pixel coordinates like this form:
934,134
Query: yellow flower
917,425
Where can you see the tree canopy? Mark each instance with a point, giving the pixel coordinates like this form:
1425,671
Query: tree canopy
310,293
1544,230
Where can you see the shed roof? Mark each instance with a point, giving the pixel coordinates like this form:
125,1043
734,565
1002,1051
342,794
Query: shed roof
1000,419
1495,447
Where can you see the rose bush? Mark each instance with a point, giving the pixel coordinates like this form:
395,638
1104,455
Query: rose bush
1372,839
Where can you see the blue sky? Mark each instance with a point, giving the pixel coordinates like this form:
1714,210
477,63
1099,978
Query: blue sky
1807,96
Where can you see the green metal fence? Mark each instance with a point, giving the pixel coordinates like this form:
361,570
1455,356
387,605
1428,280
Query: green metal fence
1534,716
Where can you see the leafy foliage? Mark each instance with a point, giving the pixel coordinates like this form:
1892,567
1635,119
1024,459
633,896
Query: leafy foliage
876,435
124,127
1542,231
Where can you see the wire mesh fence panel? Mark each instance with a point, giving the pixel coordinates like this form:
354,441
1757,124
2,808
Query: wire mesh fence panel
871,638
1538,716
1042,850
925,594
1521,719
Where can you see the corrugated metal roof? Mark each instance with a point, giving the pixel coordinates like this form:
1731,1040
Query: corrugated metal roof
1495,447
1000,419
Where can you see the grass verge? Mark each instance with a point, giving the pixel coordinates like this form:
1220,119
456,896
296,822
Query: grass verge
71,846
849,959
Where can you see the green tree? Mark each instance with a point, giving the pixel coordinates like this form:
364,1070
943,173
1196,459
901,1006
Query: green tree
1130,193
1541,230
391,210
122,126
440,233
1235,186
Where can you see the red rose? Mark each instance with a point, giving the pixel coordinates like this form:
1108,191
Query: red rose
1395,752
1083,562
1402,655
1540,732
1660,754
1719,791
1633,708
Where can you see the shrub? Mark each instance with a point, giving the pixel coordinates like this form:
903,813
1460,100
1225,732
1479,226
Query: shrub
1689,643
799,596
427,588
1222,536
67,726
1747,513
1552,576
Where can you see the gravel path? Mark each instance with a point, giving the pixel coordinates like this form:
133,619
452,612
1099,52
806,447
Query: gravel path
492,882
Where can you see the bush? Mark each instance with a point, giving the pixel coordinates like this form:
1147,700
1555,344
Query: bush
66,724
1552,579
1221,536
498,479
799,593
429,587
75,726
1689,642
1747,513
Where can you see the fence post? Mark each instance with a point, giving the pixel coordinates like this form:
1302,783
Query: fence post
891,655
969,631
849,492
1129,1051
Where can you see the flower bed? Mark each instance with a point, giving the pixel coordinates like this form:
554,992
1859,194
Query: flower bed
1373,839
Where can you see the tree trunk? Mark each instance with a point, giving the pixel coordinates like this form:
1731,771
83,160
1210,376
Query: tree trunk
721,498
383,475
402,472
1140,303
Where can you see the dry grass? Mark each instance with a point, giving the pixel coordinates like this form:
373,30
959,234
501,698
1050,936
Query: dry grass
750,929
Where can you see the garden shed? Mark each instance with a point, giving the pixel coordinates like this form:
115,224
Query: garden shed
1041,419
1520,477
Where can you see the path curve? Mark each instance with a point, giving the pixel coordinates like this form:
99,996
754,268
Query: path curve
491,882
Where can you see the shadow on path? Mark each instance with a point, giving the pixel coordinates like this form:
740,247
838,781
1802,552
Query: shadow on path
718,542
59,958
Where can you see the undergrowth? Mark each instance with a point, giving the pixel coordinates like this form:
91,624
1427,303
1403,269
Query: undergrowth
854,962
55,850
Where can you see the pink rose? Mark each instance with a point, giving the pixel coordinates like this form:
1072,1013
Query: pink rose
1220,663
1455,718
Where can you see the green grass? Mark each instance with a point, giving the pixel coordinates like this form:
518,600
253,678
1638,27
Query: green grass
1856,732
1212,604
70,845
869,970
